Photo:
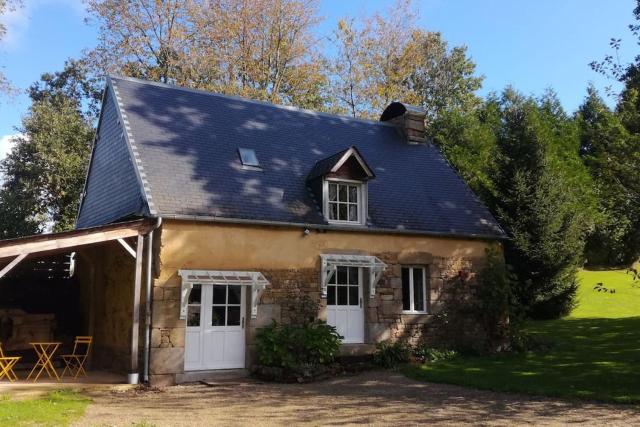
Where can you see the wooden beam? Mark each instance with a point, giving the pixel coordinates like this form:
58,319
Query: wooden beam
67,240
12,264
128,248
135,327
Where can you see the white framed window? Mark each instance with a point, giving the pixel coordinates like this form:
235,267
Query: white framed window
414,290
344,201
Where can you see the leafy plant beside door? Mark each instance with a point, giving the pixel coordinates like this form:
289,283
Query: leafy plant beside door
300,351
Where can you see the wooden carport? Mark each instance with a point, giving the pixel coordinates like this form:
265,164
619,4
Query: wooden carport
14,251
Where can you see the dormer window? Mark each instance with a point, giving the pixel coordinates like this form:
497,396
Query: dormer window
344,201
340,184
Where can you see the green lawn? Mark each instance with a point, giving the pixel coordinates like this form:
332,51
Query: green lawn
58,408
595,352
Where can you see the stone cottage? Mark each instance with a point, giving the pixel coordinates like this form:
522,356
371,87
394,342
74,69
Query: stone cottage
253,206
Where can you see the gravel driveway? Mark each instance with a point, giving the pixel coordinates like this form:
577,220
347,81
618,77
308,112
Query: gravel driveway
370,398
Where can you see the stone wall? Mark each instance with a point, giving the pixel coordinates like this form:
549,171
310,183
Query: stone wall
290,260
167,329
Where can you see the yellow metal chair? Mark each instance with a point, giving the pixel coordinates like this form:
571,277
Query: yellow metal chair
6,366
75,362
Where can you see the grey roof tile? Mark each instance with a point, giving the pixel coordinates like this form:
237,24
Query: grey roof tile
188,143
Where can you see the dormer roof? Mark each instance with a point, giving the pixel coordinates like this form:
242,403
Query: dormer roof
350,159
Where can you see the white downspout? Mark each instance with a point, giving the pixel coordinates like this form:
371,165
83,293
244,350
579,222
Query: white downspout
148,295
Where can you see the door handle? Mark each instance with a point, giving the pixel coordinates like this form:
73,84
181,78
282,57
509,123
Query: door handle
242,322
360,302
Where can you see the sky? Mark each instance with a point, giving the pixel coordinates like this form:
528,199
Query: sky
531,45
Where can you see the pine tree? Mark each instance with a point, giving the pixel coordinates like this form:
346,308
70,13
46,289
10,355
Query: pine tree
536,203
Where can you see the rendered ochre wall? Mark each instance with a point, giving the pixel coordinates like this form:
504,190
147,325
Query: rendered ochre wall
290,260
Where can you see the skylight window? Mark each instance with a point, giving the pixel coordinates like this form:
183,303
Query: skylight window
248,158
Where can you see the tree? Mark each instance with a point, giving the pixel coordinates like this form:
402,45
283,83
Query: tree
147,39
262,49
538,206
75,83
443,78
6,6
611,149
387,58
44,173
608,149
349,71
467,139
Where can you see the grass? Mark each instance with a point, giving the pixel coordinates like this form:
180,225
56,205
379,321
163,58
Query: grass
594,354
58,408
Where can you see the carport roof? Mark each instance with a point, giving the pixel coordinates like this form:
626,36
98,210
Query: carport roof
67,241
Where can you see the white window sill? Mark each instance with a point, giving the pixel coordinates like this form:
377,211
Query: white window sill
414,312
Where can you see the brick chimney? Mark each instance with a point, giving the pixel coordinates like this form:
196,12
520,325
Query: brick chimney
409,119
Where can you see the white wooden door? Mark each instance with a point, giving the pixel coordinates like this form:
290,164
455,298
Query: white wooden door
215,337
344,304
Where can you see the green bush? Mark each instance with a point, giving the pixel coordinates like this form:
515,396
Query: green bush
482,316
424,353
391,354
297,347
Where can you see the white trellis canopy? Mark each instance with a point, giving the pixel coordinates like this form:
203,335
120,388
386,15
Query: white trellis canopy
255,279
330,262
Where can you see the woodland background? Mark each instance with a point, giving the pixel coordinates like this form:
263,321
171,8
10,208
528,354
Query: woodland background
564,185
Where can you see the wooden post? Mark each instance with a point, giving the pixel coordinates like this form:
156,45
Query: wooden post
135,328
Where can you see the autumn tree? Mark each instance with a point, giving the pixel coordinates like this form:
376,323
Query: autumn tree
6,6
386,57
262,49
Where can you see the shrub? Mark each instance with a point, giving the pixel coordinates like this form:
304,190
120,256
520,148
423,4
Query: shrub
425,353
297,347
484,316
391,354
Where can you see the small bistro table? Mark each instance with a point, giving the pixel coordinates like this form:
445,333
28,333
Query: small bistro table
45,352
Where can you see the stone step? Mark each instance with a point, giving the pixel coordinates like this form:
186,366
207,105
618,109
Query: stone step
212,376
357,349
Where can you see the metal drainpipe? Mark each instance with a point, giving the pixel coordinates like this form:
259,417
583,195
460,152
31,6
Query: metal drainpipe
147,311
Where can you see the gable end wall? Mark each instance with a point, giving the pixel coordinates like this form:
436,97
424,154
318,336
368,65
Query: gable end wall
112,190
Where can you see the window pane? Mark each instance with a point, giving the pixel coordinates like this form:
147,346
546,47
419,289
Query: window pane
195,294
342,295
331,295
342,275
353,212
234,294
193,315
342,212
353,275
353,295
333,192
233,316
418,294
219,294
353,194
406,297
342,193
248,157
218,316
333,211
334,277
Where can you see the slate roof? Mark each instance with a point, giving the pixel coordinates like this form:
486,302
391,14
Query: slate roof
185,144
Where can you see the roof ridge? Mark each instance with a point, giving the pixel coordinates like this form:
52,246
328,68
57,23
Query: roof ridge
253,101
